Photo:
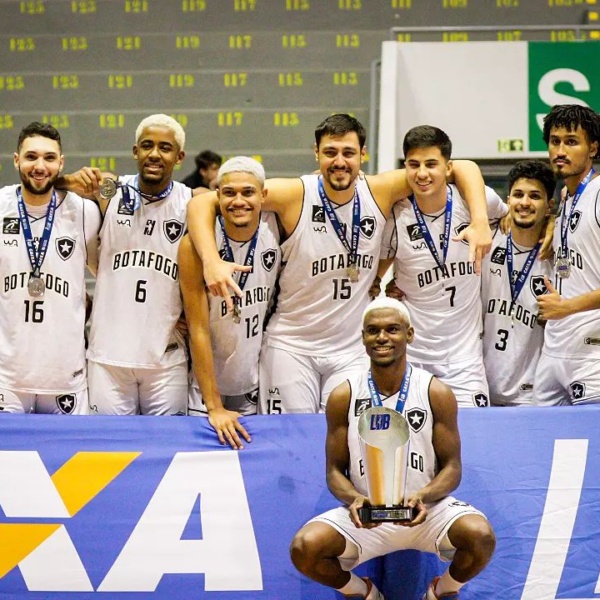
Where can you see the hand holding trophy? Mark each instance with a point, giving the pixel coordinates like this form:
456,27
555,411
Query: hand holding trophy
385,440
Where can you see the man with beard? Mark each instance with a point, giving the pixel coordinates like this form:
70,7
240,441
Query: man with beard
332,228
569,368
48,237
512,280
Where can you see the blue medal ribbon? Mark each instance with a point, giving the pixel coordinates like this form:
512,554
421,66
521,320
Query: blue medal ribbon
441,263
134,203
402,394
248,262
36,259
351,247
564,223
517,284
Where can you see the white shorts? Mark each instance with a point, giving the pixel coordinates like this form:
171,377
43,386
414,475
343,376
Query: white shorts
300,383
51,404
126,391
466,379
388,537
566,381
245,404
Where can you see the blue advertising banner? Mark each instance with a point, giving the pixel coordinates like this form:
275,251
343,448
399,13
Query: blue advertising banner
155,508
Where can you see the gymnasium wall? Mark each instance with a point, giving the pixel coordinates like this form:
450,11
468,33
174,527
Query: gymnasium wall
243,76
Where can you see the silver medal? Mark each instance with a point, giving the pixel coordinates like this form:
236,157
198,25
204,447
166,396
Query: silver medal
108,188
353,272
36,287
237,314
563,267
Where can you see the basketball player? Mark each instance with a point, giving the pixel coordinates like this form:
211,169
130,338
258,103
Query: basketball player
435,272
512,280
48,237
330,545
332,224
569,369
137,357
247,237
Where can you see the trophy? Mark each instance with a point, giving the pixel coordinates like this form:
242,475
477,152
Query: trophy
384,440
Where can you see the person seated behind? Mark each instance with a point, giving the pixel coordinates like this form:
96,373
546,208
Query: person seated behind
205,175
329,546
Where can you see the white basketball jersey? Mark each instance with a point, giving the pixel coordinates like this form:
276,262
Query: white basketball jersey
444,305
578,335
422,461
319,309
42,347
236,347
137,301
511,344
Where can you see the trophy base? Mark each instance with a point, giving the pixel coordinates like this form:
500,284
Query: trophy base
386,514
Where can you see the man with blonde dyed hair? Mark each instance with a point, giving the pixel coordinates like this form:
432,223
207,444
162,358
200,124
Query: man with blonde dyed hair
137,357
226,345
329,546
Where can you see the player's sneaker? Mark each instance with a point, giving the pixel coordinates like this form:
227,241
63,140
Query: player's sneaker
372,592
430,593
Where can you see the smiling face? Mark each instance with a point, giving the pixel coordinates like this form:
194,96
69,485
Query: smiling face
339,160
240,199
427,171
528,203
157,153
39,163
385,336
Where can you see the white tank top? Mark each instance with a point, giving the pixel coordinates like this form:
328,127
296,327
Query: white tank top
445,310
511,345
318,309
422,461
578,335
236,347
42,348
137,301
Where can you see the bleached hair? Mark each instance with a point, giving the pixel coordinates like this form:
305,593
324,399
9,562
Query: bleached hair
241,164
160,120
385,302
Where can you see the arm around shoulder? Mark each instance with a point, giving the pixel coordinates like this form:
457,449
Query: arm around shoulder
201,214
284,197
